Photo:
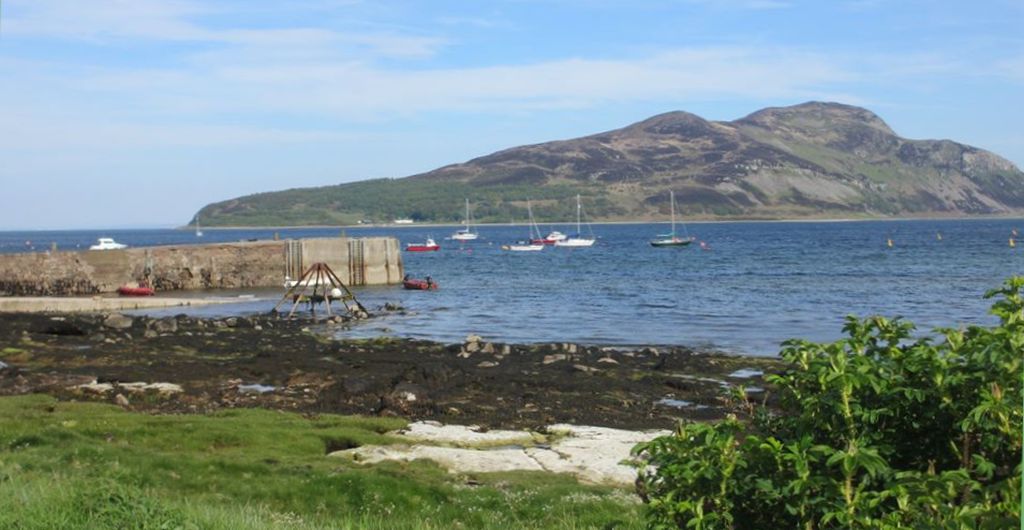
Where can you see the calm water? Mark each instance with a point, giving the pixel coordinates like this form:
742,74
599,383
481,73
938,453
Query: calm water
760,283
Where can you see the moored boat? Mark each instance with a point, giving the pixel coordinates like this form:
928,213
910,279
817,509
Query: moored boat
523,246
416,284
465,234
671,239
106,243
533,244
577,239
553,237
428,246
135,290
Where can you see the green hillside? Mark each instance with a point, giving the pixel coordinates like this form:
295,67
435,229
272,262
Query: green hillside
808,160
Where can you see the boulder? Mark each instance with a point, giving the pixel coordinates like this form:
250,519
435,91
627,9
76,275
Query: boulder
165,325
118,321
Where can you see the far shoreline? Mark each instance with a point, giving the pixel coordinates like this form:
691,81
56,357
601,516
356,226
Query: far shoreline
631,222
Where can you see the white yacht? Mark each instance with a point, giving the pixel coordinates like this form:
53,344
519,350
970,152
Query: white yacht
106,243
465,234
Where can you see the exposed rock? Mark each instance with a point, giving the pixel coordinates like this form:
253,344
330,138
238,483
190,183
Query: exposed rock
118,321
591,454
607,360
166,325
487,364
121,401
554,358
488,348
472,338
585,368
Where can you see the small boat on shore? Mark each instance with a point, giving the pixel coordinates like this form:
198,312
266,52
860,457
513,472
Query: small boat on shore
107,243
416,284
428,246
135,290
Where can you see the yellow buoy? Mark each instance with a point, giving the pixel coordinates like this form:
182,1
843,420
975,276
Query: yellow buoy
1012,243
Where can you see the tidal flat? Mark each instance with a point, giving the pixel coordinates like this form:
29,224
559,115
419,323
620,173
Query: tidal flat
193,365
110,421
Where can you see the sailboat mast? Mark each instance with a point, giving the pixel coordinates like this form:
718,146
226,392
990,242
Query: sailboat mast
578,210
672,206
467,215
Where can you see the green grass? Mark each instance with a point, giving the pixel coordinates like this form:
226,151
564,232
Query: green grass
87,465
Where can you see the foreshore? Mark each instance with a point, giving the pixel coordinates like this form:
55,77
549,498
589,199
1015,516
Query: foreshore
76,304
184,364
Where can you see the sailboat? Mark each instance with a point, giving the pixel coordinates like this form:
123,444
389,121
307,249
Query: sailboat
671,239
577,239
199,231
531,244
465,234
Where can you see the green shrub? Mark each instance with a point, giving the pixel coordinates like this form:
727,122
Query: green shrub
875,431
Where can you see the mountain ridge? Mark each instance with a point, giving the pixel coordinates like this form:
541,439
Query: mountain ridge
815,159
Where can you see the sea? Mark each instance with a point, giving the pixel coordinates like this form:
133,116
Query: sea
750,287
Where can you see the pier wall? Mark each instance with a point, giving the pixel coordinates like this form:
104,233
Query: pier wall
357,261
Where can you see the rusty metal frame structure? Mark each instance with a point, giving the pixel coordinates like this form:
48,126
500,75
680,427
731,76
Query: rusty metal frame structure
319,276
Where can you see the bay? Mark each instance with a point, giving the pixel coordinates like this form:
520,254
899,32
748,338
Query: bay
759,284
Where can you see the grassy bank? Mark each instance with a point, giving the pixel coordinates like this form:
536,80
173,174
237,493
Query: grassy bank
87,465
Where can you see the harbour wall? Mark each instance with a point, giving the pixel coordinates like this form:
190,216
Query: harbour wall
356,261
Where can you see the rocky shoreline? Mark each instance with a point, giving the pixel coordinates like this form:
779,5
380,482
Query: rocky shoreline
184,364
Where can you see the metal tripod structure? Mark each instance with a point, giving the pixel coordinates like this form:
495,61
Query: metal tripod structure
322,280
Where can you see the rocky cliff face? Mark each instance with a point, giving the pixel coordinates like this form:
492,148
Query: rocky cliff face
814,159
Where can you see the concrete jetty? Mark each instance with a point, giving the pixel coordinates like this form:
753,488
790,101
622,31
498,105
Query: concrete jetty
82,304
356,261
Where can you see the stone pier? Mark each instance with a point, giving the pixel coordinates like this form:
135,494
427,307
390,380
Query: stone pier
356,261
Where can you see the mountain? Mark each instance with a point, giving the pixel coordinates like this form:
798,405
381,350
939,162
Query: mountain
809,160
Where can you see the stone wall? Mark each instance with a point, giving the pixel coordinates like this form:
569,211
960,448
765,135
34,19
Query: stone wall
211,266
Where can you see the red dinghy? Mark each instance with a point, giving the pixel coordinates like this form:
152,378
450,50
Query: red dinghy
417,284
126,290
429,246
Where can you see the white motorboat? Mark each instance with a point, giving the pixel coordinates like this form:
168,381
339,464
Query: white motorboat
106,243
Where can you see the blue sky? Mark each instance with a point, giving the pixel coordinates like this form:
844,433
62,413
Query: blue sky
119,113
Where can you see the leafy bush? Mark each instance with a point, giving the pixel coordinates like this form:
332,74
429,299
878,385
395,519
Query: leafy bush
877,430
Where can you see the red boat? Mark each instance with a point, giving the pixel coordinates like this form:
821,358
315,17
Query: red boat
420,285
127,290
429,246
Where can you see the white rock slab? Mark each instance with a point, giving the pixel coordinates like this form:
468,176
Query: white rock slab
463,435
594,455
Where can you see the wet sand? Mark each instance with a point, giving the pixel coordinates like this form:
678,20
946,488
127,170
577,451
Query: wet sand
201,365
